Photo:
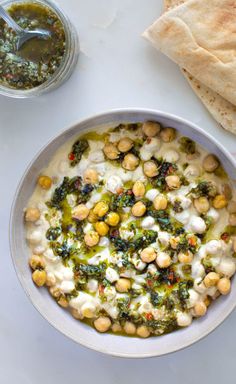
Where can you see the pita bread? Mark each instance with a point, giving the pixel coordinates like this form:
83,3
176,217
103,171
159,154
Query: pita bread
163,35
222,110
170,4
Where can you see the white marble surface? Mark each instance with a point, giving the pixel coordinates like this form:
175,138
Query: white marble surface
116,69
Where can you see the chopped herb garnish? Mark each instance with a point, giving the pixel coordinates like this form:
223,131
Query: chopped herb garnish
183,291
204,188
78,148
207,264
123,307
162,218
156,299
53,233
95,271
123,200
163,326
66,187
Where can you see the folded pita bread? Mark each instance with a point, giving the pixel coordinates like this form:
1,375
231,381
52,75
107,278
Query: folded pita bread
170,4
222,110
206,47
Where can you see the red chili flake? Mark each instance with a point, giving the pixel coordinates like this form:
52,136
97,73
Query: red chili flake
149,283
71,156
225,236
192,241
101,289
148,316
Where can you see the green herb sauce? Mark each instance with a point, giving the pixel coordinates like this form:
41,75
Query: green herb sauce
38,59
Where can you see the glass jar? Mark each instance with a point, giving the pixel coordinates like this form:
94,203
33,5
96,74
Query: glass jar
68,62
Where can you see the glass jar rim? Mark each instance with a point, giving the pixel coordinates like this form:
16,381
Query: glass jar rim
68,62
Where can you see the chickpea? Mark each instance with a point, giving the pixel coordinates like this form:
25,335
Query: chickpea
101,209
232,207
45,182
129,328
92,217
232,219
63,302
123,285
151,129
39,277
143,331
32,214
224,286
202,205
116,328
163,260
211,279
150,169
200,309
36,262
90,176
139,189
111,151
173,181
168,134
125,144
227,191
102,324
148,255
174,241
219,202
185,258
210,163
55,292
130,162
138,209
102,228
76,314
91,238
160,202
80,212
207,301
113,219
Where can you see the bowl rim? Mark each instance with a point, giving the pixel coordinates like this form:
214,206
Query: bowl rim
118,112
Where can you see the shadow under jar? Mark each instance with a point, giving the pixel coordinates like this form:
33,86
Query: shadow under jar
40,65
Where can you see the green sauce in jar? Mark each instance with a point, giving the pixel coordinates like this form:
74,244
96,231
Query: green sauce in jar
38,59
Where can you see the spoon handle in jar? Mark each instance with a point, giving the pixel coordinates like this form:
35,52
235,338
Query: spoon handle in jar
9,20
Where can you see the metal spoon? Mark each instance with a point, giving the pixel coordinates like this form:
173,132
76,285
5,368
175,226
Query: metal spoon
23,34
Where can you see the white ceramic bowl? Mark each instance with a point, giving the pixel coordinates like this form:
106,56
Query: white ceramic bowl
61,319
